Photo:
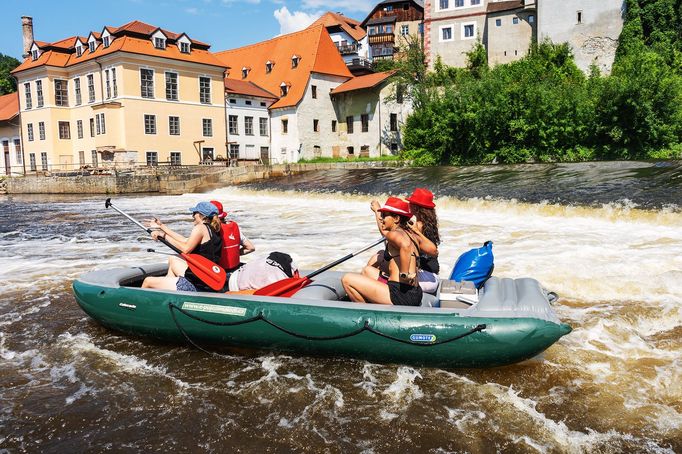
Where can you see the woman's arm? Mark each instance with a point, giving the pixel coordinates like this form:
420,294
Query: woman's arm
186,246
426,246
247,247
155,223
377,214
404,245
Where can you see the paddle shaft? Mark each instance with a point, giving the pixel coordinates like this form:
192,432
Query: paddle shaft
343,259
108,204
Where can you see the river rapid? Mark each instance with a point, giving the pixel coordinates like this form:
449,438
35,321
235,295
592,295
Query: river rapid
607,237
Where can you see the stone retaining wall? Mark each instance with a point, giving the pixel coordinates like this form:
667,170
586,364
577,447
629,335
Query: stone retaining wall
183,180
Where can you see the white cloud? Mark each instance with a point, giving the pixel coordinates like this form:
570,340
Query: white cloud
292,22
234,2
193,11
339,5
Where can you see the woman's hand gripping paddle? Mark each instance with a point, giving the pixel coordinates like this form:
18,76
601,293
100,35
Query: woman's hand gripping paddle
208,272
289,286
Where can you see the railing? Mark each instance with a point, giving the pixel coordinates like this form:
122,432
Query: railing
347,49
381,38
360,63
68,170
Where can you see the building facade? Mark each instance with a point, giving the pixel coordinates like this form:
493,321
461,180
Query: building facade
12,161
509,31
125,95
349,38
389,25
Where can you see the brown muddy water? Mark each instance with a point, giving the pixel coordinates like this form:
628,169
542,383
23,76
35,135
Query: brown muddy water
607,237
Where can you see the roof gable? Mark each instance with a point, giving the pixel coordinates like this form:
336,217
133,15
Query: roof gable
9,106
348,25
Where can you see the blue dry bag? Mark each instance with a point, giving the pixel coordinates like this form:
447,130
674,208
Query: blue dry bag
475,265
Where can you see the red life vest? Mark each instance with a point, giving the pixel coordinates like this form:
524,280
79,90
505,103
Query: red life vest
229,259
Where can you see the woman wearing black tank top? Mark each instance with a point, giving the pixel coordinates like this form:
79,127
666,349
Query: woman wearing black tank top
204,240
402,254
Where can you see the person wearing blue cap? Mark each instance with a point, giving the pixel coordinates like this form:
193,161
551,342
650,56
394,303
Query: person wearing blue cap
205,240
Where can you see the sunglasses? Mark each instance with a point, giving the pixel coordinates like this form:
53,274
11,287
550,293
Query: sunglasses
383,214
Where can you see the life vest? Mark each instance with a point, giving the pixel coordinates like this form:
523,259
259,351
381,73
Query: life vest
229,259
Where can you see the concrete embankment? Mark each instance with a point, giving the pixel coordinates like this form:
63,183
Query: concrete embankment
168,180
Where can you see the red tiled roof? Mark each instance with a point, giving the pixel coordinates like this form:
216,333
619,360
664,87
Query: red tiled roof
495,7
313,46
363,82
350,26
242,87
9,106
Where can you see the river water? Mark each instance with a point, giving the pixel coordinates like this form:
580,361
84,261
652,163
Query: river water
607,237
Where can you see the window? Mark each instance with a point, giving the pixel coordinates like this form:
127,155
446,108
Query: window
29,131
248,126
475,2
349,124
399,93
93,155
175,157
446,34
285,126
444,4
394,122
29,101
32,161
388,8
159,43
92,45
207,127
107,83
294,61
364,121
184,48
101,120
373,30
313,89
41,130
579,17
77,87
174,126
79,128
350,150
106,41
79,51
39,93
531,19
268,66
284,89
263,126
35,54
147,83
333,125
234,151
245,72
233,125
17,149
459,3
43,160
152,158
404,30
468,30
91,88
172,86
61,93
150,124
205,90
64,130
92,127
498,22
113,81
389,29
515,21
98,128
316,125
233,101
248,103
81,158
262,104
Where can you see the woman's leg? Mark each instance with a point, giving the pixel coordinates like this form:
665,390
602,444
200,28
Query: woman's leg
176,267
371,272
162,282
362,289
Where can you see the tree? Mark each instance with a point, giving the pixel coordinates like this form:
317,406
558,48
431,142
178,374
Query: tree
7,83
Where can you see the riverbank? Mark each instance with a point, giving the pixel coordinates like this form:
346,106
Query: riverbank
170,180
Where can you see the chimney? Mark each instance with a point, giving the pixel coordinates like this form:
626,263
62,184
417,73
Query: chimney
27,30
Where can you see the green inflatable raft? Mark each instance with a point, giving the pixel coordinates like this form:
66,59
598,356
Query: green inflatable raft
506,321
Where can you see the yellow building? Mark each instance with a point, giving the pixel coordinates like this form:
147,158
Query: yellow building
131,94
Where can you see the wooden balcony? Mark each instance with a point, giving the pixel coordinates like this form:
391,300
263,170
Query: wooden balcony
347,49
381,38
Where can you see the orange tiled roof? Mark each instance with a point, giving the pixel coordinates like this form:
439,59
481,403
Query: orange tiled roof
242,87
317,54
363,82
350,26
61,53
495,7
9,106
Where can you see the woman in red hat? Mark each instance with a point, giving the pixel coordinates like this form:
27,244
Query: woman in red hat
401,254
235,244
424,224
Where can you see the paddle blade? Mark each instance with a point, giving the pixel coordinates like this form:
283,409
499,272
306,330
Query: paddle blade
285,287
208,272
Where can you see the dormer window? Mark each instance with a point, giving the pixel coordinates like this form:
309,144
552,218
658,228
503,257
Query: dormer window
294,61
79,51
35,54
268,66
184,47
245,72
284,89
159,43
92,45
105,41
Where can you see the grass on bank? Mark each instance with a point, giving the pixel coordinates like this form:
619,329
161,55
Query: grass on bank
324,160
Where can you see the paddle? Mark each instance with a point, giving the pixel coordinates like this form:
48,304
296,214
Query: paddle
208,272
289,286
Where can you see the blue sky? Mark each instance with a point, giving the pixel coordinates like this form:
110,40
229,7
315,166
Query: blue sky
224,24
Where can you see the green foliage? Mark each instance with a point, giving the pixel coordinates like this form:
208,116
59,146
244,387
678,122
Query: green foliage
322,160
7,83
542,108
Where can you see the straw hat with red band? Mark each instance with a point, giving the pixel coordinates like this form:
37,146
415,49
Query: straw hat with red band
394,205
422,197
219,206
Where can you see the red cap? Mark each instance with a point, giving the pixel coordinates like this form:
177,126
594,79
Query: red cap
396,206
219,206
422,197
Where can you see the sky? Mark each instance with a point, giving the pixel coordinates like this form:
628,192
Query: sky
224,24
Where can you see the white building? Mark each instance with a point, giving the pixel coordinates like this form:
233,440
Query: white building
12,162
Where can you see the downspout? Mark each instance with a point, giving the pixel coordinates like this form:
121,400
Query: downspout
227,129
101,83
21,129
